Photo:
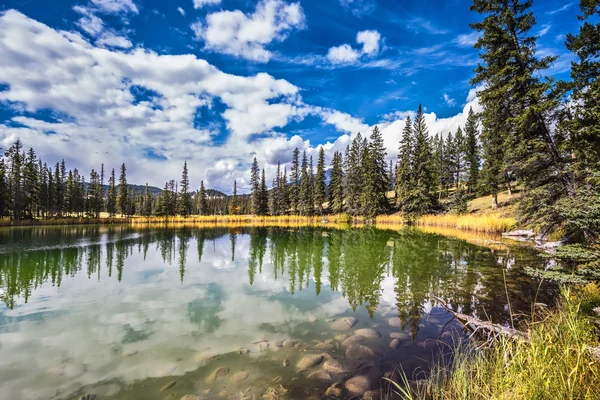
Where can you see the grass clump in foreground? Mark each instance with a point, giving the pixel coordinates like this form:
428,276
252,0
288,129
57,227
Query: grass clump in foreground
556,362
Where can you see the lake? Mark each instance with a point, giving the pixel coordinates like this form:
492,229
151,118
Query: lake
239,313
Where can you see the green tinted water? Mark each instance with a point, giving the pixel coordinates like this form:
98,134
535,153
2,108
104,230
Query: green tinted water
122,312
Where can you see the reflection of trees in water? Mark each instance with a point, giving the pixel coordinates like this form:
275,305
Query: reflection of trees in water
355,262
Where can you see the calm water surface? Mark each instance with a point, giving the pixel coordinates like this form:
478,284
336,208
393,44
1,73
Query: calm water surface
121,312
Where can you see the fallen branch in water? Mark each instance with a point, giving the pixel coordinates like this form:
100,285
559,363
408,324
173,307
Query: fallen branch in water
485,329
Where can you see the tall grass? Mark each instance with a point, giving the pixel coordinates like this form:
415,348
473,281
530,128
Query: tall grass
477,223
554,364
245,220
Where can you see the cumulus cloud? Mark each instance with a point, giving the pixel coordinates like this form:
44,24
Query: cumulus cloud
248,35
202,3
345,54
116,6
112,40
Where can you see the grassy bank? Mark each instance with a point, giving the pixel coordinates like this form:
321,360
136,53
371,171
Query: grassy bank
63,221
556,362
487,223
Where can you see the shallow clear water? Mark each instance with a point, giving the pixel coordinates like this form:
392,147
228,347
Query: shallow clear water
121,312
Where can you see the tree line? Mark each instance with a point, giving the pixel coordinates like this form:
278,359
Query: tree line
534,133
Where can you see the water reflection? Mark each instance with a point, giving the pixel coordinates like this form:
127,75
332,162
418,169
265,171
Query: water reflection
86,298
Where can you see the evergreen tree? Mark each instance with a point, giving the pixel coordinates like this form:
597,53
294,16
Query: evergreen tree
336,186
304,203
517,102
94,195
31,183
147,210
263,203
202,200
404,176
285,196
458,156
375,176
294,192
3,190
15,179
320,187
472,152
353,182
185,198
255,187
111,200
122,192
422,198
234,207
440,167
391,178
450,161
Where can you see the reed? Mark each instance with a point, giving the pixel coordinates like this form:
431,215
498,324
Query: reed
555,363
489,223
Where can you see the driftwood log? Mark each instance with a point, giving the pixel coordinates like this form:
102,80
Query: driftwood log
491,332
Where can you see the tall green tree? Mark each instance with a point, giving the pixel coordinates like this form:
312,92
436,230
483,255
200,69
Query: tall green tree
375,177
353,177
517,102
147,210
336,185
15,179
305,189
234,206
122,192
294,191
31,184
263,203
255,187
472,152
202,200
111,196
3,190
320,187
404,176
185,197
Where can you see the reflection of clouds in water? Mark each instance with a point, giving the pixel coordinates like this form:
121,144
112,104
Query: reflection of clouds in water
78,340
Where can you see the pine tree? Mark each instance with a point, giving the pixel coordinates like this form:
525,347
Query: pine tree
15,179
111,200
516,100
94,195
391,178
31,183
336,188
375,169
185,198
294,192
422,198
263,204
234,207
285,194
147,210
440,167
472,152
458,161
353,182
404,175
202,200
255,187
320,187
304,198
3,190
450,161
122,192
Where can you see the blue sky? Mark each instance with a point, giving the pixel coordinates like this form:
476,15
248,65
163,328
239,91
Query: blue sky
217,82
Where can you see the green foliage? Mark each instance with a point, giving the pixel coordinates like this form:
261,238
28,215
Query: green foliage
185,198
336,188
320,187
122,193
472,152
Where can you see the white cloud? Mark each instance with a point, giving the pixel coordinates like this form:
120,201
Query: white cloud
358,7
561,9
116,6
89,22
111,40
370,41
544,30
467,40
449,100
247,35
345,54
202,3
181,11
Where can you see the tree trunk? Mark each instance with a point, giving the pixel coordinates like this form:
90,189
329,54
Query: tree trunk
494,201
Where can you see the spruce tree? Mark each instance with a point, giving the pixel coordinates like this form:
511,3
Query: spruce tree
422,197
404,172
294,192
147,210
336,185
185,198
472,152
15,179
517,101
376,170
122,192
255,187
320,185
3,190
353,182
304,203
202,200
263,205
111,197
285,194
458,161
31,183
234,207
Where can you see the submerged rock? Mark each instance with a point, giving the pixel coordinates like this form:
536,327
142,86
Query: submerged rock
205,356
395,343
263,346
167,371
191,397
358,384
239,377
320,375
360,352
324,346
310,361
368,333
286,363
395,322
399,335
333,366
288,343
217,373
279,343
168,386
333,392
372,395
88,396
353,339
344,323
341,337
